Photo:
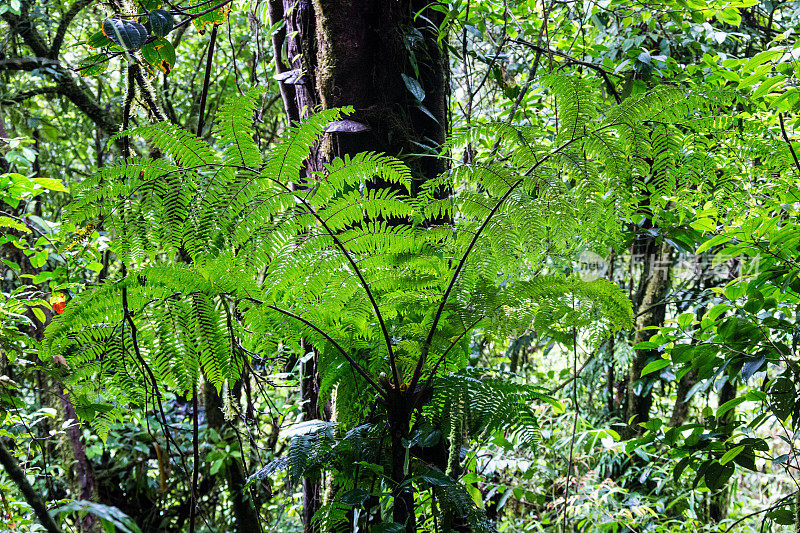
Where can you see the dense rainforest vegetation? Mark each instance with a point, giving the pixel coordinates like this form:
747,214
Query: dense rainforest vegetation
399,265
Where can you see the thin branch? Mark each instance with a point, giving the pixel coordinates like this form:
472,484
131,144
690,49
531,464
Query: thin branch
204,94
32,498
597,68
71,13
788,142
21,97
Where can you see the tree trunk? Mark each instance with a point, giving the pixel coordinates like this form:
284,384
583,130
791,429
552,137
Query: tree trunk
718,503
309,392
399,412
386,63
681,408
651,312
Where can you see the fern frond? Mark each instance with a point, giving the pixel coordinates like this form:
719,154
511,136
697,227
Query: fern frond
234,129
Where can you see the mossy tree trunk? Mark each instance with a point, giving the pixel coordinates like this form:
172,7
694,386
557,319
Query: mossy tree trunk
389,65
651,310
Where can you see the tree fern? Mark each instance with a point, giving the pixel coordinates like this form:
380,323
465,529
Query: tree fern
387,288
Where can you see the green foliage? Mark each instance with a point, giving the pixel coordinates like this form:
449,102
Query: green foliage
227,253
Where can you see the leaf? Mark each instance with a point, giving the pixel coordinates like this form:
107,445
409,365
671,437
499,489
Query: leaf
731,454
39,314
216,17
414,87
160,53
39,259
8,222
11,264
93,65
127,33
120,520
98,40
717,475
727,406
50,184
768,85
751,367
761,58
704,224
784,517
161,22
713,241
654,366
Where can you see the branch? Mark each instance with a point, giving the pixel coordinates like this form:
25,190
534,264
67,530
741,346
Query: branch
66,83
597,68
16,474
203,95
27,63
58,40
789,142
21,97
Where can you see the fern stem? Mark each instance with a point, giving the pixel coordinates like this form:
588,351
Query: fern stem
335,344
429,339
574,422
206,80
387,339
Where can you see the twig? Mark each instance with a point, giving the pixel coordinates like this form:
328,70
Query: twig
789,142
204,93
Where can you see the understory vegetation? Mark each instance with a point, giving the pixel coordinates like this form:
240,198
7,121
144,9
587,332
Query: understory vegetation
470,265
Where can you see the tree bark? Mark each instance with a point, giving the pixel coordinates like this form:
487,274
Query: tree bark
651,312
681,408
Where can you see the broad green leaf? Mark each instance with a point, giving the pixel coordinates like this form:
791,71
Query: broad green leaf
713,241
655,366
93,65
8,222
731,454
727,406
121,521
125,32
414,87
768,85
761,58
161,22
39,314
50,184
98,40
215,17
704,224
